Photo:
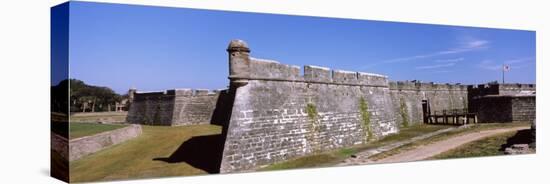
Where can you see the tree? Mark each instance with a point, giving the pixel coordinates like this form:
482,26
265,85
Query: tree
58,96
89,98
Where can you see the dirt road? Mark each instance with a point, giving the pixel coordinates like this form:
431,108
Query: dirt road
430,150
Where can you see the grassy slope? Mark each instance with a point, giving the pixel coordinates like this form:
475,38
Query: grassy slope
134,159
84,129
333,157
473,128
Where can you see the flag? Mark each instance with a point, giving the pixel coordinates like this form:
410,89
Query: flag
505,68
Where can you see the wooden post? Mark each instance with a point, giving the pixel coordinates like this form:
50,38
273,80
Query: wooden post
446,119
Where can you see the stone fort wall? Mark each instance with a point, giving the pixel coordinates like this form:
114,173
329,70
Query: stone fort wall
503,102
493,101
172,107
279,114
407,99
507,109
272,113
83,146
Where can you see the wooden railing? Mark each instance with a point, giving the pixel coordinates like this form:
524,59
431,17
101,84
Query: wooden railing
452,116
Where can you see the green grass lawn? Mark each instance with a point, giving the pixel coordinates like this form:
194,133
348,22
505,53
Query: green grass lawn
138,158
77,130
333,157
446,135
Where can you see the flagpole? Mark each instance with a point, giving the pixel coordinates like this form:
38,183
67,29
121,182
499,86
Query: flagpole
502,74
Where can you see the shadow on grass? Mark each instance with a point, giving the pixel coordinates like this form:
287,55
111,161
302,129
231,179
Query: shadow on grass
205,152
521,137
202,152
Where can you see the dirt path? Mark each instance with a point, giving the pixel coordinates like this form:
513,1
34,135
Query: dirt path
430,150
363,156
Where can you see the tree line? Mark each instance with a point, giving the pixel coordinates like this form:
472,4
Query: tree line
89,98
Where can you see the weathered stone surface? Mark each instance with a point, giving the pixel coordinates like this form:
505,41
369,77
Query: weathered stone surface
239,61
497,108
90,144
271,113
524,108
518,149
112,117
533,143
173,107
502,91
262,68
275,120
407,99
515,89
151,108
277,114
60,144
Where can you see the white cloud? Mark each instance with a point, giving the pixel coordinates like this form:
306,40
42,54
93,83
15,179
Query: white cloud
467,46
520,60
453,60
513,63
410,58
489,65
442,71
477,44
435,66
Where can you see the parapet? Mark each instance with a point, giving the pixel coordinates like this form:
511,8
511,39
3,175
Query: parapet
409,85
372,79
176,92
317,74
342,76
501,89
262,69
244,68
149,93
269,69
517,86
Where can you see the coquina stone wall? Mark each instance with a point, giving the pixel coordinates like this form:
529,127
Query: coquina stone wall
111,117
516,89
60,144
173,107
407,99
279,114
503,102
272,113
83,146
524,108
506,108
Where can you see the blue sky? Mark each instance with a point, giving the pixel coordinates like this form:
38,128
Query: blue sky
158,48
